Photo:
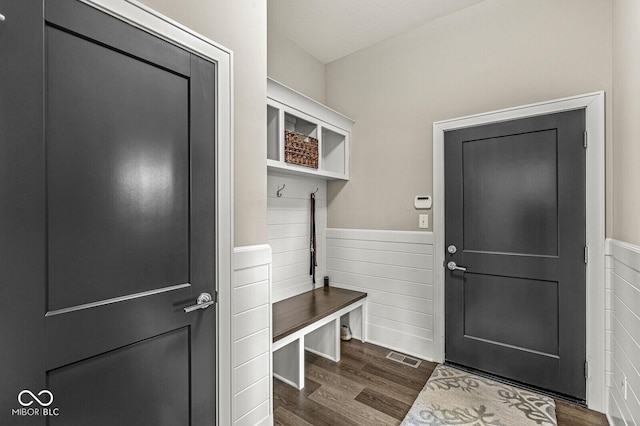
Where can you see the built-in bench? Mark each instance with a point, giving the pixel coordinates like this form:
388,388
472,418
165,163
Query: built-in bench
311,321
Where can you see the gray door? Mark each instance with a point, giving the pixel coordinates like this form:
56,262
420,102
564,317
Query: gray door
107,212
515,213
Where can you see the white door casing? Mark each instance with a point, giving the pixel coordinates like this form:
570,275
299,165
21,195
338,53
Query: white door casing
594,105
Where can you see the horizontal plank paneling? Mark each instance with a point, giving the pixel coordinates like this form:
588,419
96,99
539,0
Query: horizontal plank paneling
619,365
251,336
395,300
288,232
244,402
280,216
386,246
411,237
250,372
391,272
404,316
250,296
624,284
251,321
251,346
295,256
291,270
623,332
398,326
395,268
401,342
282,245
259,416
391,258
381,284
290,291
628,321
250,275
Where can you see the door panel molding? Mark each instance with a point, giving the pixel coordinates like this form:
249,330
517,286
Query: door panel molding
147,19
594,104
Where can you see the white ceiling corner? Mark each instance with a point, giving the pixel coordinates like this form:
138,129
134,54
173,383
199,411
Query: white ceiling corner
331,29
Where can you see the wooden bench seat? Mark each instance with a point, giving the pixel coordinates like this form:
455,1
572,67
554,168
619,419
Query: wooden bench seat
311,321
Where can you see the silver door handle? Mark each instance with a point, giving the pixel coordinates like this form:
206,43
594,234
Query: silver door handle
204,301
453,267
2,18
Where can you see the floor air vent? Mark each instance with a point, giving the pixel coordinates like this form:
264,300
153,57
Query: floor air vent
404,359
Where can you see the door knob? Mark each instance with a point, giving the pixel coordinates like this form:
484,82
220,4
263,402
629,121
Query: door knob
453,267
204,301
452,249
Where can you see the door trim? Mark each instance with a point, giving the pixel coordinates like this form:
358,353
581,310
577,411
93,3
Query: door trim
149,20
594,105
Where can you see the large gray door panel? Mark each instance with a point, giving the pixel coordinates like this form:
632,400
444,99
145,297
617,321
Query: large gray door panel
113,155
515,209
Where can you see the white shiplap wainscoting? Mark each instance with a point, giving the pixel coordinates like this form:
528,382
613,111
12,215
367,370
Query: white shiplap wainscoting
623,332
288,232
395,268
251,336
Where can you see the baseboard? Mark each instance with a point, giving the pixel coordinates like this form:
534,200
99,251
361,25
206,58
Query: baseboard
287,381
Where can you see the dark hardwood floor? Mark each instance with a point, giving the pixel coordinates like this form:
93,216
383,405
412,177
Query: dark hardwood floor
365,388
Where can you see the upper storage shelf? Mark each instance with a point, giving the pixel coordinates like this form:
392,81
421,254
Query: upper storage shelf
305,124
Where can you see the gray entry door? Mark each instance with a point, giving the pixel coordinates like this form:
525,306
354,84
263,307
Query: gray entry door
107,221
515,213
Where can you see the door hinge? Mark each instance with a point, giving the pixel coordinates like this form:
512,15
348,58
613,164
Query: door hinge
585,139
586,369
586,254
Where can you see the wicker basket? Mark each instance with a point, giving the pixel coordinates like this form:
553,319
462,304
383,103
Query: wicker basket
300,149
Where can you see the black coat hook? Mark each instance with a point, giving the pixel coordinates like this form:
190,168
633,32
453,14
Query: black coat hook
279,193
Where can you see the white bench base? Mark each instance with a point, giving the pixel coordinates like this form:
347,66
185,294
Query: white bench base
321,338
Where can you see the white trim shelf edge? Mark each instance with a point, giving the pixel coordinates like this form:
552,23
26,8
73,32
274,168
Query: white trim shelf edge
286,95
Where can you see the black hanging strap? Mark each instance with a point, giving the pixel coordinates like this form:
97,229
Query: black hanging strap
314,261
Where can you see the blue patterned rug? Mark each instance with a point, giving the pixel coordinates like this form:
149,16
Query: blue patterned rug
455,397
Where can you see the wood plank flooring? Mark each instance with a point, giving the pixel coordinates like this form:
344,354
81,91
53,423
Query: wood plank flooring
365,388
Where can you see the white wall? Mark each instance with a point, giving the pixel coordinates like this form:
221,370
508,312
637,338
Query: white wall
395,269
493,55
251,383
288,232
623,332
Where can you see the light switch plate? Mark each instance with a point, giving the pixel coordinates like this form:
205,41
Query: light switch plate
423,221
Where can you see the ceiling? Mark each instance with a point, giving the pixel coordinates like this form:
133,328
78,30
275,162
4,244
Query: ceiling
331,29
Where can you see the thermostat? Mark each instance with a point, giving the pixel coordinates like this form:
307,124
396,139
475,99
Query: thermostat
422,202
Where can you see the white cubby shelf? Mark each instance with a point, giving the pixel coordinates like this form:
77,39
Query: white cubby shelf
291,110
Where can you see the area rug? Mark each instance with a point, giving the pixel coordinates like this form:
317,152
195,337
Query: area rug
455,397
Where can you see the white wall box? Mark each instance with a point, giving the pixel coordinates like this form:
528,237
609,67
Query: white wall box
290,110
